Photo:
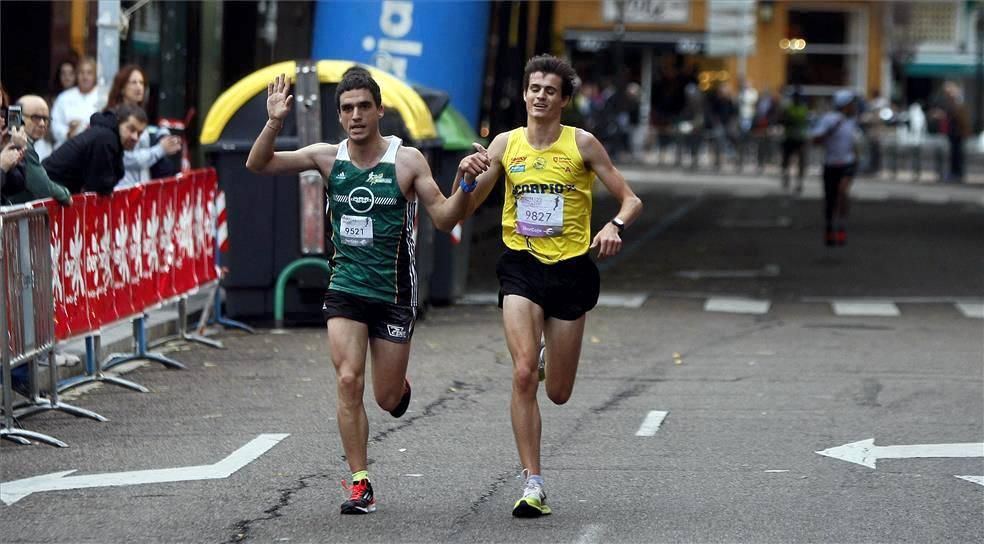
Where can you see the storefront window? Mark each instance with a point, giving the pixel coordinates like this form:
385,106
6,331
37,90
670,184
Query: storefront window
825,49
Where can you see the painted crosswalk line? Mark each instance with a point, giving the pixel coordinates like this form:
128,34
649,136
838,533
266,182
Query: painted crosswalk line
652,423
972,310
865,309
737,305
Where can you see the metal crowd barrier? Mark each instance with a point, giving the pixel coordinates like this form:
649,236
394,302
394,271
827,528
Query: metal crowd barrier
27,318
716,150
68,272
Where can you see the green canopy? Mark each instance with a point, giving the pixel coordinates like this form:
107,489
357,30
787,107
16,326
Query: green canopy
454,129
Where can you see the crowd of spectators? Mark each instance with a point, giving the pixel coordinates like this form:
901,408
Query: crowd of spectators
759,123
80,144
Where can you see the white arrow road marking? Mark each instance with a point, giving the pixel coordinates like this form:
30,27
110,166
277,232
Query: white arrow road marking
11,492
737,305
652,423
979,480
867,453
767,271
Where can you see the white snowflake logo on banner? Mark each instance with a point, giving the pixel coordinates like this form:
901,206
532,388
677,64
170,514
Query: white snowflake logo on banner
56,250
73,265
136,239
106,255
150,242
186,242
166,240
199,223
120,249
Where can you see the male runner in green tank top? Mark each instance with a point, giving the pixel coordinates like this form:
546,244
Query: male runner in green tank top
374,185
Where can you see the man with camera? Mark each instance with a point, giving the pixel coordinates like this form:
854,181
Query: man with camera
32,114
93,160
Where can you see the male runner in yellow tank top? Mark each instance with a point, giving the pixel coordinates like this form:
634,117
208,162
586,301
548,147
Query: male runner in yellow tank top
547,280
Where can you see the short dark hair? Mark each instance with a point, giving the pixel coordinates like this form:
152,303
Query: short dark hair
125,111
549,64
354,78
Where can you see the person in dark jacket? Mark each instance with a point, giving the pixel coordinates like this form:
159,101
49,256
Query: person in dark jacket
93,160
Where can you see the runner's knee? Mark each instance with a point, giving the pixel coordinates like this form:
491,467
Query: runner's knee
350,387
525,378
559,395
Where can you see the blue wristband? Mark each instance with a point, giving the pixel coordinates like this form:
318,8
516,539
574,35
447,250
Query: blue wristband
466,187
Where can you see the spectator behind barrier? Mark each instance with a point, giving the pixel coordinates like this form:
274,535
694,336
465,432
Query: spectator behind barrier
12,176
129,88
93,160
73,108
38,185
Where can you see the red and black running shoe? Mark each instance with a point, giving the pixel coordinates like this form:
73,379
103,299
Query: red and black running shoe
404,401
841,237
361,501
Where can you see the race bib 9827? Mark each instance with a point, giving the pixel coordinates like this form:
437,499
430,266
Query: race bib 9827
540,215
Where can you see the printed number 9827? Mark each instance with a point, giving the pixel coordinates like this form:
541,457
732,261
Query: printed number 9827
539,217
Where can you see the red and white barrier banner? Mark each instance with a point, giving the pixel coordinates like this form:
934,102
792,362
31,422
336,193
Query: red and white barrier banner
145,291
167,239
205,226
74,247
98,261
125,231
114,257
55,221
185,246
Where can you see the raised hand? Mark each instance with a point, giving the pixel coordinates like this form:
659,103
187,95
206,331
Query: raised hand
278,101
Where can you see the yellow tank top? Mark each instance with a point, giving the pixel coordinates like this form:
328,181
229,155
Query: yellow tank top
547,208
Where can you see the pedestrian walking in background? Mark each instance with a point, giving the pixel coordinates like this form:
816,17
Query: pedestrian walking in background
794,119
838,133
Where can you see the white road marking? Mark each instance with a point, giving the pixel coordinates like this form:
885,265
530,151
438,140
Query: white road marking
592,534
975,311
866,453
737,305
932,198
865,309
622,300
979,480
777,471
607,300
11,492
652,423
767,271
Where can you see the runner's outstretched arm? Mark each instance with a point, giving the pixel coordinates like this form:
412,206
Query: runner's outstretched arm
447,211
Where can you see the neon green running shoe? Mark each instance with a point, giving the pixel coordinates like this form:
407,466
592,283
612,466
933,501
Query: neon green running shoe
533,504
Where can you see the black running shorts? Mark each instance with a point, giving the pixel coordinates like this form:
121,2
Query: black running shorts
565,290
385,320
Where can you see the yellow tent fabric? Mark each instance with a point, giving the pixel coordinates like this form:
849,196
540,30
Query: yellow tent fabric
396,95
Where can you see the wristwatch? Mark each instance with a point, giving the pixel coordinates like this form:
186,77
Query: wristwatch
619,224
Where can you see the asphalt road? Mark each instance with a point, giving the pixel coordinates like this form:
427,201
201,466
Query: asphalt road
749,400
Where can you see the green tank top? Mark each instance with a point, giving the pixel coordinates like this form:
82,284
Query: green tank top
373,230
